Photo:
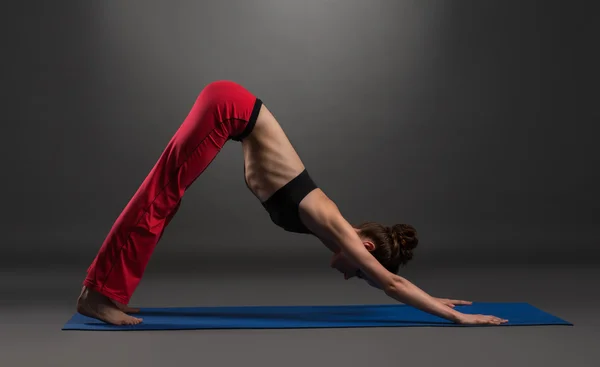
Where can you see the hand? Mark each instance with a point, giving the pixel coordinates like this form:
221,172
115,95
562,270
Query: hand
453,302
467,319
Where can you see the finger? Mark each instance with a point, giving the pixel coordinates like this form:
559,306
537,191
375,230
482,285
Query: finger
499,321
490,320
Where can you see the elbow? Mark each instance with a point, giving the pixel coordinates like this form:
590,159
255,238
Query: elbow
394,285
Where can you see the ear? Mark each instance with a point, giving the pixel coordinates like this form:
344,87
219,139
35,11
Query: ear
369,245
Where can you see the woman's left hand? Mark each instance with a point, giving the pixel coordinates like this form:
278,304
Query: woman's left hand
453,302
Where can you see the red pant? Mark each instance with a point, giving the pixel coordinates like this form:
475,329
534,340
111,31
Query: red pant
223,110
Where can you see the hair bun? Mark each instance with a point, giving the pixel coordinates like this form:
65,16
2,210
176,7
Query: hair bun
393,244
405,235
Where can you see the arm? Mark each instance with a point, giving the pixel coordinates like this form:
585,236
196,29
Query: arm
446,301
323,218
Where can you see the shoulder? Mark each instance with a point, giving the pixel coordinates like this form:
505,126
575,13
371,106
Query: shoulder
320,214
316,203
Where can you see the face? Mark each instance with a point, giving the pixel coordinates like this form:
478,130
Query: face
341,263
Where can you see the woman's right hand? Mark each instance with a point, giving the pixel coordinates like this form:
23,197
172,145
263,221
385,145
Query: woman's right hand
467,319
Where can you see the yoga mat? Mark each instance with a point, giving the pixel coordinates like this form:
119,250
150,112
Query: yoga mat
295,317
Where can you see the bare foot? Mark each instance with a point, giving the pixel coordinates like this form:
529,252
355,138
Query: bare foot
126,308
98,306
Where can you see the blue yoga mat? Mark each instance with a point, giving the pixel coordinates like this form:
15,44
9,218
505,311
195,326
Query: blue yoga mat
283,317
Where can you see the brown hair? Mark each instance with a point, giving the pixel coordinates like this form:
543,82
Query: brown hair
393,245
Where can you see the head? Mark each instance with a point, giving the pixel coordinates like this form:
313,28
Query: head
391,246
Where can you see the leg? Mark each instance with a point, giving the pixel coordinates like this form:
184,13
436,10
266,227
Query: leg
223,110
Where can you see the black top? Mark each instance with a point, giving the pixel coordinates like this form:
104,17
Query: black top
283,205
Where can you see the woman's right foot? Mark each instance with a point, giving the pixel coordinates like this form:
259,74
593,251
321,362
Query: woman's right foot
100,307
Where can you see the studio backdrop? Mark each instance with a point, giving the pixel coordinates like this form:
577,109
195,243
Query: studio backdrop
469,120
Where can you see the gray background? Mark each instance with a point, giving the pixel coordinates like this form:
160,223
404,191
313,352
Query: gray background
472,120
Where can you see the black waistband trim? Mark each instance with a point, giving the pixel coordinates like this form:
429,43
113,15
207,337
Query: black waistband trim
255,111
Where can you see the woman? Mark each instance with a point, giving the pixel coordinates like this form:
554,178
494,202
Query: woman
277,177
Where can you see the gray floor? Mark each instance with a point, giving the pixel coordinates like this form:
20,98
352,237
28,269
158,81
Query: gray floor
35,304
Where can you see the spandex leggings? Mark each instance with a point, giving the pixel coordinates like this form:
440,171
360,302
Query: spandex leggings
223,110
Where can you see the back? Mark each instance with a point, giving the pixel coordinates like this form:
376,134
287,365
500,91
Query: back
270,160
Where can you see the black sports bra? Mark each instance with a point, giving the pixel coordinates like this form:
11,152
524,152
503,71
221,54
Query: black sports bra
283,205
